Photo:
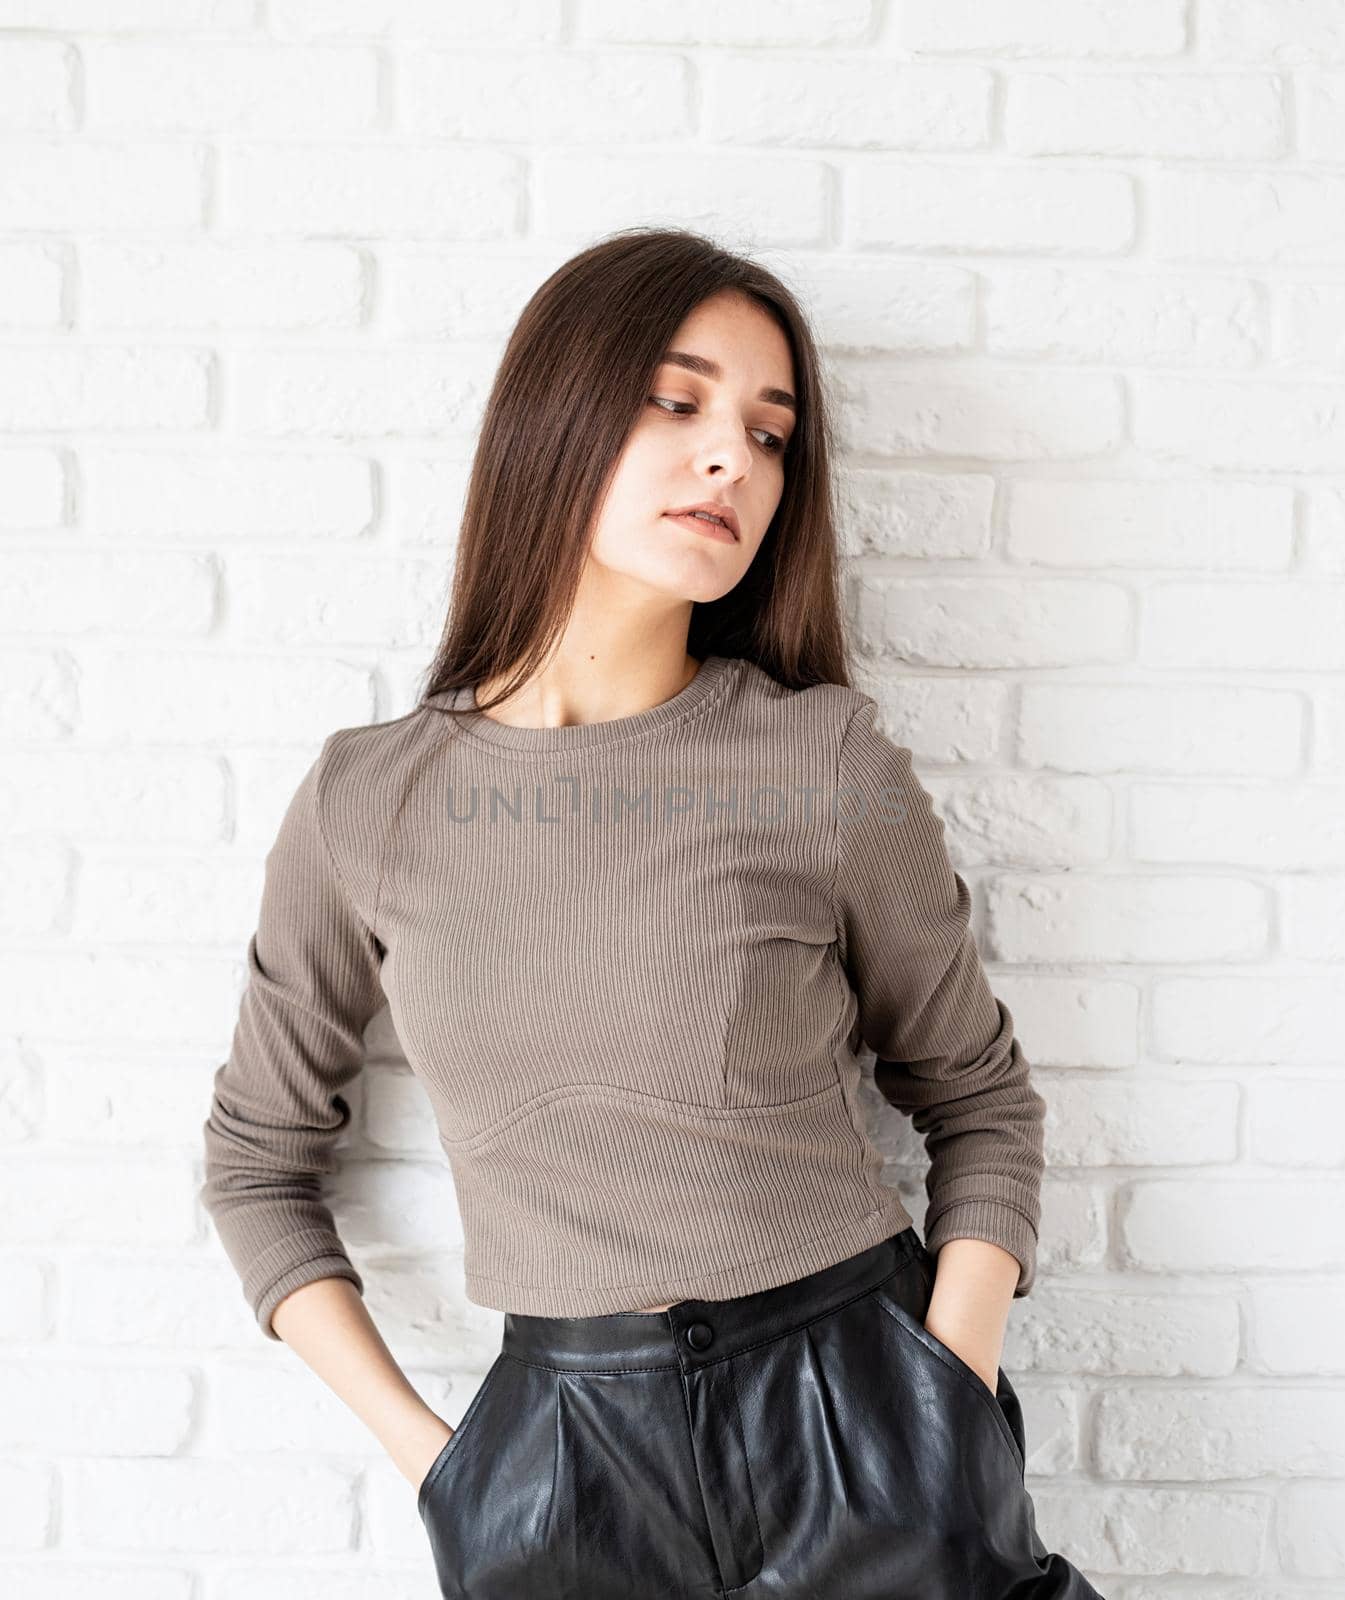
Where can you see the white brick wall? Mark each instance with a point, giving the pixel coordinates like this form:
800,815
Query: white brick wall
1080,270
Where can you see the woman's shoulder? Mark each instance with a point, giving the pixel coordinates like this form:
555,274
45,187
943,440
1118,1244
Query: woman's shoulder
373,746
837,728
813,708
363,769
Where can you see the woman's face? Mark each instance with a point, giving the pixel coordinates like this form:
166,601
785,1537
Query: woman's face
715,434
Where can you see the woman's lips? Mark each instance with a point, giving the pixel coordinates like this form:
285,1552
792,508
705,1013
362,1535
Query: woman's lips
712,530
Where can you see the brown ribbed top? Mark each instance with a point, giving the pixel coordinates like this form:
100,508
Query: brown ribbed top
634,964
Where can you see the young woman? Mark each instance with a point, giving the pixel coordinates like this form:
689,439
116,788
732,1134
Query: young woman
640,877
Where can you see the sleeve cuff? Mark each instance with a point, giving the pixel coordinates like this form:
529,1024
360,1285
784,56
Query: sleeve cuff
994,1222
296,1260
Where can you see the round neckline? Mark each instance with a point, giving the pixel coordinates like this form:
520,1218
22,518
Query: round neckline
584,735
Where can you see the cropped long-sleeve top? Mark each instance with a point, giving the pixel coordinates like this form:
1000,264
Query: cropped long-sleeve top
636,965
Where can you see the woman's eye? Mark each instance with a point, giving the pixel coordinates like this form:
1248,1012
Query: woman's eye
681,407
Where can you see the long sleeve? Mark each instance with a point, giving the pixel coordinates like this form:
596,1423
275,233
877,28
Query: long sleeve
313,984
945,1047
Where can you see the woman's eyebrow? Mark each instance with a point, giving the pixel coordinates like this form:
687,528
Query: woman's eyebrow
711,369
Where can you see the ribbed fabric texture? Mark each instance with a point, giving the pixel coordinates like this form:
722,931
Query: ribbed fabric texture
635,964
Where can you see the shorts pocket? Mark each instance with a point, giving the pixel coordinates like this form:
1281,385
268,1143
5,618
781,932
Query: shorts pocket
1000,1406
442,1460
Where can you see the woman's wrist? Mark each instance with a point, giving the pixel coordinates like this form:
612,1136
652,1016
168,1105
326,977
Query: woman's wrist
968,1311
415,1447
327,1324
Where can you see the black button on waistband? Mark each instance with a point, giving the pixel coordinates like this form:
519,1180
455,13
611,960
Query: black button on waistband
700,1335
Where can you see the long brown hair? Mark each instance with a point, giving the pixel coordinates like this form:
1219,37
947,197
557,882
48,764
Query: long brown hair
571,385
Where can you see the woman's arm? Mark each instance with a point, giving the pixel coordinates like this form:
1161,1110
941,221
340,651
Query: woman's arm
947,1055
314,983
328,1326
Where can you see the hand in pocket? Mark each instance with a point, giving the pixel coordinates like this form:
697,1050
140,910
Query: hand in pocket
988,1373
418,1466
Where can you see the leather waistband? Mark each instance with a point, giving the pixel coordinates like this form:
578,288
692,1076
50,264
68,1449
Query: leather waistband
697,1333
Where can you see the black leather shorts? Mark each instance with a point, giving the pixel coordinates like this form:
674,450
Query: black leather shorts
808,1440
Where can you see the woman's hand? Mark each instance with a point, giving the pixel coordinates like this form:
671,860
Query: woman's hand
978,1353
328,1326
420,1454
968,1310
